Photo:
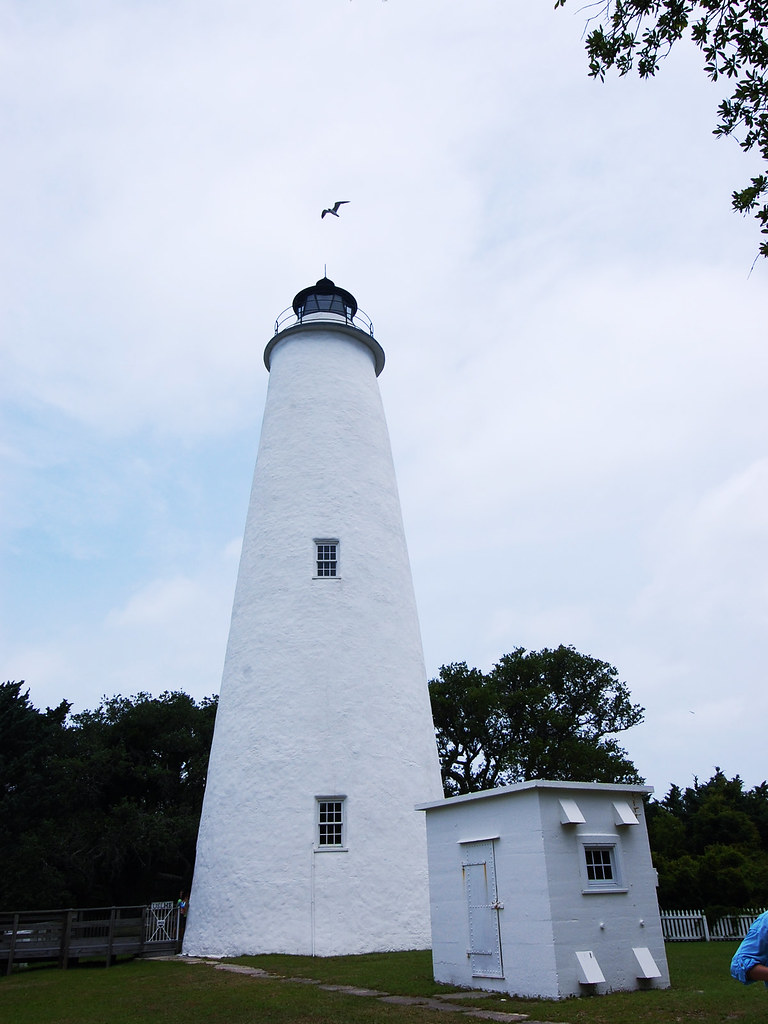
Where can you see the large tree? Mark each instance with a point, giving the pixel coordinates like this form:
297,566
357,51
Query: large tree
550,714
733,38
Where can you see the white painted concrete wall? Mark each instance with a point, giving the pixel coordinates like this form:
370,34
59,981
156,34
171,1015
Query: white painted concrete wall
546,916
609,924
324,689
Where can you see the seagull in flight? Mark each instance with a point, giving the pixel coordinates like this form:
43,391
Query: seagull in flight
334,209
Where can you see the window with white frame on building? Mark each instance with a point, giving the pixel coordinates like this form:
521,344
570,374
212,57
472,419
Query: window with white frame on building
330,822
599,863
327,558
601,867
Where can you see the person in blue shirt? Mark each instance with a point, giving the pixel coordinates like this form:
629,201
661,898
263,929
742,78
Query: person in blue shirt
182,904
750,961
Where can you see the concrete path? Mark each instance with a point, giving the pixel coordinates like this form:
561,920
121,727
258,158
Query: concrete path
449,1003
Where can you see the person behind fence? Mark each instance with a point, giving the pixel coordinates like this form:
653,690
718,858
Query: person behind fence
750,962
183,905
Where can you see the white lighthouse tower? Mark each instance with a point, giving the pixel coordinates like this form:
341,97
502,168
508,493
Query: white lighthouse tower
309,842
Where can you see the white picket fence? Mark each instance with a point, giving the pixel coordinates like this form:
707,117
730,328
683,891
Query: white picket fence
691,925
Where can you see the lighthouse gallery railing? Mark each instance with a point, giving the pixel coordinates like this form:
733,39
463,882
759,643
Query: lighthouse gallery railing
289,318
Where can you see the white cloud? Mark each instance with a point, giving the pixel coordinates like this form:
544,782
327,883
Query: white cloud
710,555
169,635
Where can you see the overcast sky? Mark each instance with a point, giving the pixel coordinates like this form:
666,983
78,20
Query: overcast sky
576,349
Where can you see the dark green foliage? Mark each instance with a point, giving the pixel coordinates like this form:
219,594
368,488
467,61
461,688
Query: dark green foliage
32,743
101,807
733,38
549,714
143,763
709,845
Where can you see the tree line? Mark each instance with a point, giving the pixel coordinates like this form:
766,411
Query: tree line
102,807
710,845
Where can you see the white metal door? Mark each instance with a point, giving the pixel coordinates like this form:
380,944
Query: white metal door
483,907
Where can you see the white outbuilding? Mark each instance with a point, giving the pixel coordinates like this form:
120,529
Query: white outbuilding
544,889
309,842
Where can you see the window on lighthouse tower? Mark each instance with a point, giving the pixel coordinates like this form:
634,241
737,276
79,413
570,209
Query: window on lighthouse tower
327,557
330,822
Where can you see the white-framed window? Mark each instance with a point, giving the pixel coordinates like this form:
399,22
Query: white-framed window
330,822
326,558
599,865
601,869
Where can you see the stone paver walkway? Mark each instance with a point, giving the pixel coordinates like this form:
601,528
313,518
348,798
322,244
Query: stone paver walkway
449,1003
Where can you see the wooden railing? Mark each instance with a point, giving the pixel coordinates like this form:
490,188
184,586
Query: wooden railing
65,936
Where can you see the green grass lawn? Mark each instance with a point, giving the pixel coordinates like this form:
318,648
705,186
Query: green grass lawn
155,992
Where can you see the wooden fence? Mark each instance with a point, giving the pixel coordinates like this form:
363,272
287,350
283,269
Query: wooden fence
103,932
692,926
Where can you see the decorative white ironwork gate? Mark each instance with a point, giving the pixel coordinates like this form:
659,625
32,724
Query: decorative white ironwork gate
162,922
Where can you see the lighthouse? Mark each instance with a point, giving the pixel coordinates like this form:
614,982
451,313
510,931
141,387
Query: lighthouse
309,842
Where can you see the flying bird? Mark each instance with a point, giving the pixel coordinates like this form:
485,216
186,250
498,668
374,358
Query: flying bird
334,210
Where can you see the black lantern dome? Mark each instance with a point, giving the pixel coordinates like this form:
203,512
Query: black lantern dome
325,297
324,301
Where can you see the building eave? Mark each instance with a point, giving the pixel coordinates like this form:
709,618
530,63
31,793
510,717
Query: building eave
541,784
